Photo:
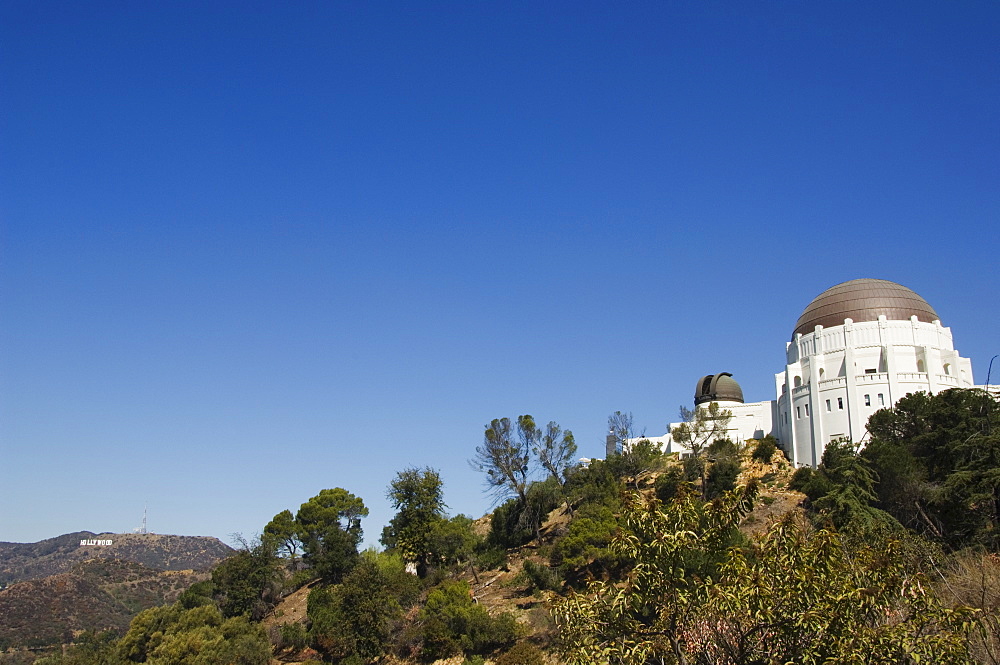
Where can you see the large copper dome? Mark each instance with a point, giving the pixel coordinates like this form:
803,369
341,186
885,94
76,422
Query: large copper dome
863,300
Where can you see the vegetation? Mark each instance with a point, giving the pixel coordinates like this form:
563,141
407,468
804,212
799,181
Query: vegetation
643,558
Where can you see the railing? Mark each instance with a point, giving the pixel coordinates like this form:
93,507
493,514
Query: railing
913,376
947,378
834,382
880,377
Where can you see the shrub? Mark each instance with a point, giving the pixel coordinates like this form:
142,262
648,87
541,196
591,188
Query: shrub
721,477
764,449
490,558
294,636
453,624
669,483
541,576
521,653
722,448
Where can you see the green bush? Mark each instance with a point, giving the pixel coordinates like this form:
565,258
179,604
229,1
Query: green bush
522,653
454,624
488,557
668,484
722,448
764,449
693,468
294,636
584,550
506,528
721,477
541,576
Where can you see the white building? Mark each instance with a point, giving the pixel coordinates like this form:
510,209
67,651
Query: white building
858,347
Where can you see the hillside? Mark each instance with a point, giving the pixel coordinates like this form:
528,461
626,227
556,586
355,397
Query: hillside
92,595
32,561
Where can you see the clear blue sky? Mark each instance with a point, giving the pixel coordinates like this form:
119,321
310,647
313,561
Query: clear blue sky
249,251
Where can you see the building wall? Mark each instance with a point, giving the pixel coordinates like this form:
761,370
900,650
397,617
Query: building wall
837,377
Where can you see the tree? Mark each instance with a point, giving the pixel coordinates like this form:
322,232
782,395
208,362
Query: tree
644,621
453,624
620,431
282,533
937,462
709,424
792,595
556,452
505,458
418,497
358,616
247,583
330,528
171,635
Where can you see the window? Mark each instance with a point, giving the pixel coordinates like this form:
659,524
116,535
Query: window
871,371
828,407
798,412
840,403
807,410
881,400
947,369
868,400
920,366
798,381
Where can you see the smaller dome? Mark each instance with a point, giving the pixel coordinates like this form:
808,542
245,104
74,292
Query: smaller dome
717,388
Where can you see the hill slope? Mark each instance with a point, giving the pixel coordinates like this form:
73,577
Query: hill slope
93,595
31,561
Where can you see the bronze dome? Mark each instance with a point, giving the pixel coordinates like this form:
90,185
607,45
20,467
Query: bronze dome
717,388
863,300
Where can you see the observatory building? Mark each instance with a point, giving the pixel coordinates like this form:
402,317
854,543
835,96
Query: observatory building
857,347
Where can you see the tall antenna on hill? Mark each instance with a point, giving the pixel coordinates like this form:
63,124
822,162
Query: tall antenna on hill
141,529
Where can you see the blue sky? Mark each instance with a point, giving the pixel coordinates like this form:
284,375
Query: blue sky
249,251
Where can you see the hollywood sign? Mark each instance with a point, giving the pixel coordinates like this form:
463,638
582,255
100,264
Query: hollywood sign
98,543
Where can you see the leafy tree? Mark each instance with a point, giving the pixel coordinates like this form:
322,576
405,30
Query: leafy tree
505,456
330,528
791,596
172,635
621,430
645,620
418,498
584,551
282,533
800,597
89,648
452,542
937,462
453,624
709,424
358,617
556,451
637,457
246,583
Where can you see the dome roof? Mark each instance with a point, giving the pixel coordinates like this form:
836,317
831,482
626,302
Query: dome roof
863,300
717,388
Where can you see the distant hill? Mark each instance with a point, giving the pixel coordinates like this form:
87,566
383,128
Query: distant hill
20,562
92,595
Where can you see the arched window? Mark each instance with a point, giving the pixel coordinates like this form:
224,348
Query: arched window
822,373
947,369
920,365
798,381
